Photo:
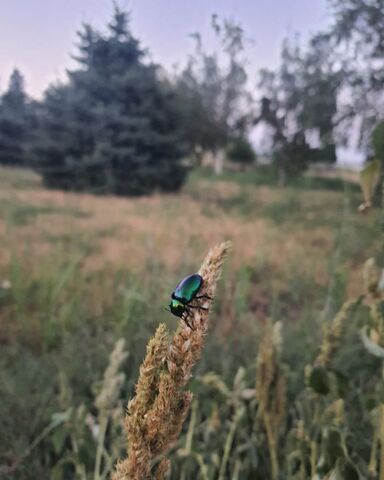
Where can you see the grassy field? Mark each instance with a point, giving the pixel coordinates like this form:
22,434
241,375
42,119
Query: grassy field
78,272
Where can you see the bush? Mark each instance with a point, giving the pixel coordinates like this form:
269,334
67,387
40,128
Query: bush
294,156
326,154
241,151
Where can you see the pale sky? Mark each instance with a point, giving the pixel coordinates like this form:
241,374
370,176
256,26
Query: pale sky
38,36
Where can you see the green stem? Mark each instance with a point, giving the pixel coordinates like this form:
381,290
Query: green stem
189,438
228,443
100,448
272,446
80,468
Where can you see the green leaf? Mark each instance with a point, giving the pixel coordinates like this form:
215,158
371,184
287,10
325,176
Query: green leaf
238,382
342,383
58,438
60,417
319,380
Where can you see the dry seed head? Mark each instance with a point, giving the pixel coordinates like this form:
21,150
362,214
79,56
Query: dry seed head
271,390
267,365
270,379
162,469
156,415
113,380
277,337
149,372
334,334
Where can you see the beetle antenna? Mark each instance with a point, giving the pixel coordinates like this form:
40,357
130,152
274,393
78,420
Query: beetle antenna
167,310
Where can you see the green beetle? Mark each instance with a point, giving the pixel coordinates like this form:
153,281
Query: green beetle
185,292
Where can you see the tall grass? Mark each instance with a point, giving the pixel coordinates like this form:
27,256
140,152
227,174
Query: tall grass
290,382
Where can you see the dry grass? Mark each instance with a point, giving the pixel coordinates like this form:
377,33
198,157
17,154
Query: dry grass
86,271
289,237
132,232
271,391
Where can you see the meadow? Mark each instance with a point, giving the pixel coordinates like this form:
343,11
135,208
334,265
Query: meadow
82,276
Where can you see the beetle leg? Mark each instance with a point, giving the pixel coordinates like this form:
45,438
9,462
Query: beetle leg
185,318
207,297
198,306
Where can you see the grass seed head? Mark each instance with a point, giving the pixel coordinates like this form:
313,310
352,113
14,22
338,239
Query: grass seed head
157,413
113,380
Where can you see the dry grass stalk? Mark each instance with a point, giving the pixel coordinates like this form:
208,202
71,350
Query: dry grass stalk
113,380
156,414
334,333
271,391
335,330
107,400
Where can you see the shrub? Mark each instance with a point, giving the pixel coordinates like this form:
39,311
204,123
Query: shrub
241,151
294,156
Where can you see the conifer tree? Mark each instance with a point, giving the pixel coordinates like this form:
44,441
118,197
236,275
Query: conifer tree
114,126
15,122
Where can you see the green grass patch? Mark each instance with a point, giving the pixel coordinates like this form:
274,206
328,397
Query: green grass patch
20,214
265,175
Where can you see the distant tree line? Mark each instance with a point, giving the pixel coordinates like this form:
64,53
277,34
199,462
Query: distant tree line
326,89
217,105
120,124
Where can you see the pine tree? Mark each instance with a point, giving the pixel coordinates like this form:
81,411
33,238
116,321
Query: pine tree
15,122
114,126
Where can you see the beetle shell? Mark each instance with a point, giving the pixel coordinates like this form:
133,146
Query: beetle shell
187,289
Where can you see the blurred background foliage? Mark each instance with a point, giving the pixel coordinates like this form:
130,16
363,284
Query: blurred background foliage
122,124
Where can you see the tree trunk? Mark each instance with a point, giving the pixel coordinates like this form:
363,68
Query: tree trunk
218,162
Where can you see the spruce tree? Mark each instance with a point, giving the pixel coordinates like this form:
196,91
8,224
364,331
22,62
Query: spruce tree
114,127
15,122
